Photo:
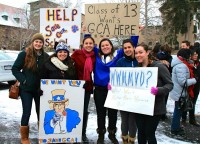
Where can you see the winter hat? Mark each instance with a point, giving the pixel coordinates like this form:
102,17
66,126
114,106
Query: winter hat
37,36
184,53
62,46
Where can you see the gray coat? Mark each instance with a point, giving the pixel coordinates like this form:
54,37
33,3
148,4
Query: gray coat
180,73
164,85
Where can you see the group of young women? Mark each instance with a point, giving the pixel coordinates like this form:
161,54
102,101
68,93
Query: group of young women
33,64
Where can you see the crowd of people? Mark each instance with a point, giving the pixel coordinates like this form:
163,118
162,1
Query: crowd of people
33,64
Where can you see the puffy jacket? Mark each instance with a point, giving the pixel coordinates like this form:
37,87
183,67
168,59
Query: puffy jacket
180,74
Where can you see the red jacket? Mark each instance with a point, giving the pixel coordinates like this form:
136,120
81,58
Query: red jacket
79,58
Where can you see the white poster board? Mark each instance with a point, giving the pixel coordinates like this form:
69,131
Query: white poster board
61,111
130,89
112,19
61,23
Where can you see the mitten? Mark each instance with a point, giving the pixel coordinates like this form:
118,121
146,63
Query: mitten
109,86
154,90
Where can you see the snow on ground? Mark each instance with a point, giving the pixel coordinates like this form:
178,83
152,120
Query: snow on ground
12,109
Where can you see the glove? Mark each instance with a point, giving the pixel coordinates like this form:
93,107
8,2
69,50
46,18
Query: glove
85,85
154,90
109,86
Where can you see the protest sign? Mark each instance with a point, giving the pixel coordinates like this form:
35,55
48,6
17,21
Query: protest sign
61,23
61,111
131,89
112,19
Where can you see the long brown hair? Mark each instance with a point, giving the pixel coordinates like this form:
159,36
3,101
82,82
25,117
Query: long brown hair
30,59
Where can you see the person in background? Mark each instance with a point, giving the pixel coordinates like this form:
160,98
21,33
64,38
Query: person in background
181,73
185,44
84,63
146,124
165,57
196,70
156,49
60,65
28,71
106,57
128,124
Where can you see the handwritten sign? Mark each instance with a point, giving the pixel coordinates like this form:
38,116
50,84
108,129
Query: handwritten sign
112,19
61,23
61,111
131,89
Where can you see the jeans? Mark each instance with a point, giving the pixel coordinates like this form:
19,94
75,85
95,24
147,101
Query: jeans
100,95
27,99
147,126
176,118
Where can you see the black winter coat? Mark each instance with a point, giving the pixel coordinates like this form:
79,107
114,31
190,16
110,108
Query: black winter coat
50,71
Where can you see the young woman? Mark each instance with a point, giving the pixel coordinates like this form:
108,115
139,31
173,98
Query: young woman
146,124
27,70
106,57
84,63
181,73
128,124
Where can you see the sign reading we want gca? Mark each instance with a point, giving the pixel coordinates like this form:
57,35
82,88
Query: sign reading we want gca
112,19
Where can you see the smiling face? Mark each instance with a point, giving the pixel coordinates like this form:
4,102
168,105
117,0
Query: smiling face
128,49
62,55
106,47
88,44
141,55
37,44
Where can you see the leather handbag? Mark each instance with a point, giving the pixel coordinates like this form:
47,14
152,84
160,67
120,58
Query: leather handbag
185,103
14,91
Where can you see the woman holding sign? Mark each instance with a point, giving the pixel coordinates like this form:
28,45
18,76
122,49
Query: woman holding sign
106,57
146,124
128,124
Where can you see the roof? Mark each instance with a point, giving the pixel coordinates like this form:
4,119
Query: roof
11,13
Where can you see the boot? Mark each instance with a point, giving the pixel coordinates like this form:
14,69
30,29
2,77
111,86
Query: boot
112,135
124,139
131,140
84,137
101,133
24,131
194,122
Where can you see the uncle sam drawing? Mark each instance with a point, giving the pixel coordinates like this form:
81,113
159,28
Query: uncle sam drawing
60,119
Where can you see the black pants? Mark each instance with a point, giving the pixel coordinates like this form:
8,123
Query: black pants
100,94
27,99
147,126
194,100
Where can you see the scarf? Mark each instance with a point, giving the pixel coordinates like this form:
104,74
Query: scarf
190,67
88,66
59,64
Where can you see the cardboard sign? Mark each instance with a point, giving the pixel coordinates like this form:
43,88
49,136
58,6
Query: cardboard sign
112,19
131,89
61,111
61,23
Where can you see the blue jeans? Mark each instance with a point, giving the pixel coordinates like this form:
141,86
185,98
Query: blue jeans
27,99
176,118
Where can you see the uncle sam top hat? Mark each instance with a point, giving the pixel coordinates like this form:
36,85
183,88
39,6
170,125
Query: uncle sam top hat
58,95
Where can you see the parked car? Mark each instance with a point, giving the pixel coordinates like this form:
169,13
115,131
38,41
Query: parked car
6,63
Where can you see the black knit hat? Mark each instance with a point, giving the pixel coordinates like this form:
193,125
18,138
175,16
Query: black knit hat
184,53
37,36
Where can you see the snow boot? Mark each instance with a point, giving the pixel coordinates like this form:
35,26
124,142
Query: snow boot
101,133
24,131
124,139
131,140
85,120
112,135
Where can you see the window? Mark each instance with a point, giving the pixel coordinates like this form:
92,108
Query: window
5,17
17,20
